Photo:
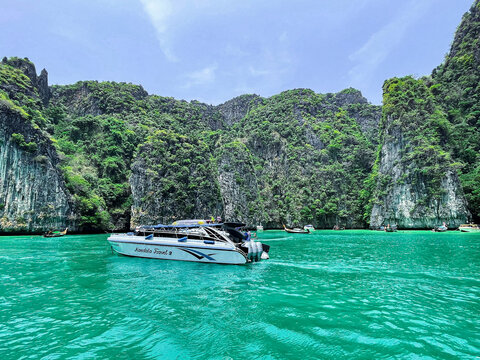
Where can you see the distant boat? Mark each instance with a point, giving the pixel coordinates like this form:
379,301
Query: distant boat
336,227
441,228
310,228
296,230
469,228
392,228
259,228
55,233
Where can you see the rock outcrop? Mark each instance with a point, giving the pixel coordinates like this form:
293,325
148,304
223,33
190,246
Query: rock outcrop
238,184
416,180
365,114
455,85
173,177
237,108
33,195
34,86
42,85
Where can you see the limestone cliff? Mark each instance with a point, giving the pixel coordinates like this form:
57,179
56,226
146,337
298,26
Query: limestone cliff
238,184
237,108
291,160
455,84
416,180
358,108
33,196
173,177
34,86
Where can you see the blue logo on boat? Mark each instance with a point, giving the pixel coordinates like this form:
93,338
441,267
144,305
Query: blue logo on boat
199,255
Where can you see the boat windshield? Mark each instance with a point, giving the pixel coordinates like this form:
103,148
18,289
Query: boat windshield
210,231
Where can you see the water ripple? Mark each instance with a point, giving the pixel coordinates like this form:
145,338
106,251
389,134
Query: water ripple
326,295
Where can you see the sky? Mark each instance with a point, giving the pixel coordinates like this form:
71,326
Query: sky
214,50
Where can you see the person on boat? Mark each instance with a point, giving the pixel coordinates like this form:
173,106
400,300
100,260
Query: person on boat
388,227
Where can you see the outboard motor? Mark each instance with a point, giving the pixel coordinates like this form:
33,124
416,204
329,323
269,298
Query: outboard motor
265,250
256,251
255,254
259,250
250,250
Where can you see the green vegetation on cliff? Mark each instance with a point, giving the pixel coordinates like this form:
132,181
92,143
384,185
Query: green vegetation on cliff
410,111
98,127
310,160
174,177
414,181
457,89
296,157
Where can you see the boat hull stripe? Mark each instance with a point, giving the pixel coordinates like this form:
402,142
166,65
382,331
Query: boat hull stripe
199,255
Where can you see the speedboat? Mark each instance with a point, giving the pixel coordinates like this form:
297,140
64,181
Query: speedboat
259,228
469,228
310,228
208,243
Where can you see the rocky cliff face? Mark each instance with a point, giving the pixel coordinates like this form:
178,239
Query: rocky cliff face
366,115
173,177
416,181
405,201
238,184
36,86
271,164
285,162
429,165
33,196
455,85
237,108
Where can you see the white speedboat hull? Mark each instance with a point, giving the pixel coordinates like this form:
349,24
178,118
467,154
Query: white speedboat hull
173,249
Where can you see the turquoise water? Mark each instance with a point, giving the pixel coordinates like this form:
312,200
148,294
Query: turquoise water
328,295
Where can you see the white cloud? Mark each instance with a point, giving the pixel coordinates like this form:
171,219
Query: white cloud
258,72
200,77
374,52
160,12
